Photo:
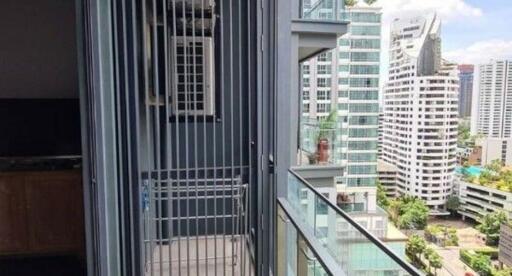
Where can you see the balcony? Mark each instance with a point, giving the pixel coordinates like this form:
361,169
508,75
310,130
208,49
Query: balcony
314,239
318,24
318,160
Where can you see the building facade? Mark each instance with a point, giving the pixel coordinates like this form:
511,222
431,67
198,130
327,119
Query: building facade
388,174
466,72
505,246
496,149
492,116
420,111
346,81
477,200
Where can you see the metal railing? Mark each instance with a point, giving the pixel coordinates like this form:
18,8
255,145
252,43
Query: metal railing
325,226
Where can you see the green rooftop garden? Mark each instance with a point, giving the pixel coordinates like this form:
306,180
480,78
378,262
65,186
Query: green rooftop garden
494,176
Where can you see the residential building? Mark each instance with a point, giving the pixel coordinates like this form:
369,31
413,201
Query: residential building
505,246
185,121
420,111
478,200
492,114
496,149
465,89
388,175
346,80
381,134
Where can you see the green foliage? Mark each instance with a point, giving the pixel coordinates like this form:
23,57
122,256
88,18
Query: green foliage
488,251
408,212
414,248
370,2
452,204
490,226
494,167
350,3
478,262
327,125
382,199
464,135
442,235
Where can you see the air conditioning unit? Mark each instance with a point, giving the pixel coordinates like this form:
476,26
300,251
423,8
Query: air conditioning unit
194,90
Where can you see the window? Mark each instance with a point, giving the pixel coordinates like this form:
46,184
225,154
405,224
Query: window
343,55
323,95
343,93
323,82
363,132
323,108
343,68
363,120
305,109
365,44
195,92
325,56
324,69
305,95
343,42
365,17
363,107
362,169
305,69
354,182
364,82
362,157
305,82
342,106
362,145
365,56
343,81
364,69
364,95
365,30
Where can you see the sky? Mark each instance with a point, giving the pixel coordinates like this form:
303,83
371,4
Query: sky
472,31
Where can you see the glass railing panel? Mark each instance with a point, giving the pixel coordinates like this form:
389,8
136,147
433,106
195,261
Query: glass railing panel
318,142
322,9
353,248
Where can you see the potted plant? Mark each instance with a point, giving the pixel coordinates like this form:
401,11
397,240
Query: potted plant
326,126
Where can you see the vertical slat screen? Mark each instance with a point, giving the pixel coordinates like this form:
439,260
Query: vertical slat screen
196,136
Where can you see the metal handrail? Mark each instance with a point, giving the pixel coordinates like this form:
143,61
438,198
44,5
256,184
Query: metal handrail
406,266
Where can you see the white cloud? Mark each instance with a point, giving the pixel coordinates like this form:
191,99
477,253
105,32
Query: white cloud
481,52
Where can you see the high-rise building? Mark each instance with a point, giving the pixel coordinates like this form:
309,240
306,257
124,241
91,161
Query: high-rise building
420,111
347,80
465,89
492,114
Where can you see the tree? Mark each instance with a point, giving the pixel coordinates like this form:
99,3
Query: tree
382,198
452,204
415,246
350,3
490,226
408,212
434,259
495,167
481,264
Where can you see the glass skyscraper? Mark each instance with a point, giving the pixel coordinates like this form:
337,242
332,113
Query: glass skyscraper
347,80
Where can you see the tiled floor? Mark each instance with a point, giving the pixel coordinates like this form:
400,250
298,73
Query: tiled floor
224,256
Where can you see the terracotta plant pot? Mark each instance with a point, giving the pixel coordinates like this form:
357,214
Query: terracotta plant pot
322,150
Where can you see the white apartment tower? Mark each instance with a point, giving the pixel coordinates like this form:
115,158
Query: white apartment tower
347,80
493,109
420,111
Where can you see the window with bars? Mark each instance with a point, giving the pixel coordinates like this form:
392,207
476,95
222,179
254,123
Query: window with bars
194,93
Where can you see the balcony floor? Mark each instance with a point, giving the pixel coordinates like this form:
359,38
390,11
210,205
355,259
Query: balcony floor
227,258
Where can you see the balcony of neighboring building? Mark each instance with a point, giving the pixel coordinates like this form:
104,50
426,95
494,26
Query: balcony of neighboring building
317,25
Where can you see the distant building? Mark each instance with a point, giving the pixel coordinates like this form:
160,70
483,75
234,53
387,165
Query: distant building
477,200
381,134
492,114
388,174
421,112
496,149
465,89
505,246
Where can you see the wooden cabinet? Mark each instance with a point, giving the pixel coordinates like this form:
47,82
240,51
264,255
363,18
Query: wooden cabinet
41,213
